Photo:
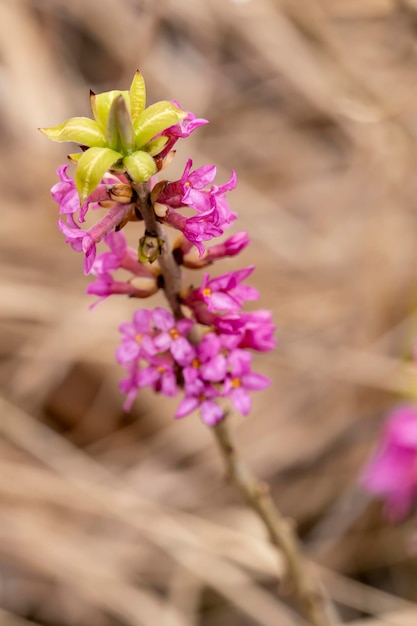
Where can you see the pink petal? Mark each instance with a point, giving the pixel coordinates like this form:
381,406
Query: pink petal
211,413
241,400
186,406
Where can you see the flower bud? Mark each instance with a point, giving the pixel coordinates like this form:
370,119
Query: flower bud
150,248
121,193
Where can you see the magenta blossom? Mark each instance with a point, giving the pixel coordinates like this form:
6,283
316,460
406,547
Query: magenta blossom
65,193
143,281
203,397
182,130
214,214
159,375
257,331
187,190
171,335
207,363
225,292
392,473
85,241
228,248
241,380
136,338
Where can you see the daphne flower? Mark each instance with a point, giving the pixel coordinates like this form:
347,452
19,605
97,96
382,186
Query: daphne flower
241,380
171,335
392,473
136,337
65,193
181,130
257,331
159,375
202,397
225,292
86,241
207,363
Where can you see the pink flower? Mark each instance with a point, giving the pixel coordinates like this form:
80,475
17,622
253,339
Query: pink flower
257,331
228,248
159,375
136,338
207,363
171,335
183,129
143,281
225,292
392,473
65,193
202,397
188,188
241,380
86,241
214,213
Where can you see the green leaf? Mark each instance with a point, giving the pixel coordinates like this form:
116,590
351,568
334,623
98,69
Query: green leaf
78,129
155,119
102,102
124,124
155,146
91,168
137,96
140,166
75,156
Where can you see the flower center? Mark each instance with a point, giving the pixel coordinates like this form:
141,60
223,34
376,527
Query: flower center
206,291
196,363
139,337
235,383
161,369
187,183
174,333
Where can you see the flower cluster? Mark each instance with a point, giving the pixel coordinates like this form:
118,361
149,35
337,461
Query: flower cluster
202,348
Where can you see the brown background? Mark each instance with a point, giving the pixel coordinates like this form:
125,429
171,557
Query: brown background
314,104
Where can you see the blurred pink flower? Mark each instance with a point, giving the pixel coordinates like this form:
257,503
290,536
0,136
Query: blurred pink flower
392,473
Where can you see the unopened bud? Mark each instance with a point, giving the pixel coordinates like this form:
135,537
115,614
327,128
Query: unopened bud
149,248
121,193
160,209
163,162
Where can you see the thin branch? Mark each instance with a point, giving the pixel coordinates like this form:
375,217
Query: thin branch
308,590
310,594
170,270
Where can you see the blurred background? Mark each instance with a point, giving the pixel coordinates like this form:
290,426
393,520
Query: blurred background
113,519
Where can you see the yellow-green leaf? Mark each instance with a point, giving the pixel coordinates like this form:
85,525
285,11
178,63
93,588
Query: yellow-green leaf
155,119
78,129
91,168
101,103
140,166
75,156
155,146
137,96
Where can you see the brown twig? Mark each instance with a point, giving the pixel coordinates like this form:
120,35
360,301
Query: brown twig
170,270
308,590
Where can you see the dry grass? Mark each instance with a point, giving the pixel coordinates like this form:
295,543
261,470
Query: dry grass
108,519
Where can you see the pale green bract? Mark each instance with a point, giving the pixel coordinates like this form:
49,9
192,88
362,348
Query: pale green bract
91,168
123,134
